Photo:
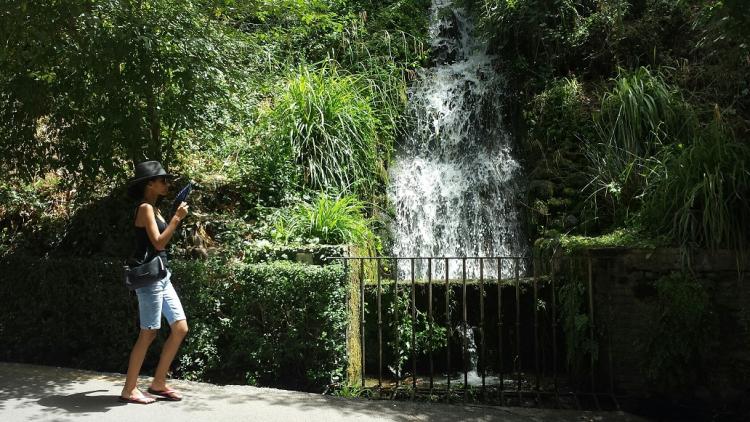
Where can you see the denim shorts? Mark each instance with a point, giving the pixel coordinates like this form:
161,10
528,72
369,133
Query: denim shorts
157,299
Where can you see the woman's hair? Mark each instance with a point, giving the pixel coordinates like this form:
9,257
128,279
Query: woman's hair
136,190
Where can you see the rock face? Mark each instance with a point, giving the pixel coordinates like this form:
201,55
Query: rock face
447,29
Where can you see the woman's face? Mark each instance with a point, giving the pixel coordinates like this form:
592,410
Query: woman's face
160,185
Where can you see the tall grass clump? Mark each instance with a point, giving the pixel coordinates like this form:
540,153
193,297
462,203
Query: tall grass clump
330,220
329,121
642,112
701,194
384,61
638,117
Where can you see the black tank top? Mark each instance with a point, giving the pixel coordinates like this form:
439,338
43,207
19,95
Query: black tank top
143,243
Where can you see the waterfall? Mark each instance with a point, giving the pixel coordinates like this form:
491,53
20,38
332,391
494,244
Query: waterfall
472,376
454,182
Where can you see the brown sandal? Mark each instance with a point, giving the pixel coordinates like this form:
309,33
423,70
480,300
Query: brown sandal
169,394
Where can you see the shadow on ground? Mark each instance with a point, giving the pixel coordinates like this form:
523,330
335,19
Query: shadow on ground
82,402
44,393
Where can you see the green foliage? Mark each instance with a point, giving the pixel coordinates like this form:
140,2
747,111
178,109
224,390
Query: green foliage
258,170
329,220
701,193
642,112
722,77
329,122
640,115
551,36
683,330
292,321
428,336
397,328
265,251
277,324
30,215
88,87
39,219
290,31
558,119
559,113
400,18
46,317
542,41
576,324
621,238
351,391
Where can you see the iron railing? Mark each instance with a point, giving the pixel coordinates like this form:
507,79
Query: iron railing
527,337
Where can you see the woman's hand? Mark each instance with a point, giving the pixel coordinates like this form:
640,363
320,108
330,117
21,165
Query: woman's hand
182,211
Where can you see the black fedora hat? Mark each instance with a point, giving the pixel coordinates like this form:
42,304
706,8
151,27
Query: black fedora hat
148,170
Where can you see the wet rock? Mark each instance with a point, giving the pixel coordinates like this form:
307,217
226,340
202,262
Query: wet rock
570,221
449,34
542,189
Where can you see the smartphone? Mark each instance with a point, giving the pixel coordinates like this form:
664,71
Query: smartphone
182,196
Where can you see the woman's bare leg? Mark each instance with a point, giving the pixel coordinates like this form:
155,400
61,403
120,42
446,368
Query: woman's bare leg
145,337
177,333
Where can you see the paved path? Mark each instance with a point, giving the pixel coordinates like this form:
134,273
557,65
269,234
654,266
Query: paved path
39,393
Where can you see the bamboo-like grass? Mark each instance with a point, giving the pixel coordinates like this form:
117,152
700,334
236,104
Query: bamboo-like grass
332,220
638,118
328,119
701,195
642,112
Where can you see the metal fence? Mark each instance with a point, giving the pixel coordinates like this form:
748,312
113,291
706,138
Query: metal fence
512,305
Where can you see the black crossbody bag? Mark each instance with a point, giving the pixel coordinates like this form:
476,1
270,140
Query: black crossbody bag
150,271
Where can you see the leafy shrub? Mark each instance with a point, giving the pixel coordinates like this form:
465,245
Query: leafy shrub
48,304
428,336
559,114
264,173
32,215
559,34
329,122
128,83
558,119
279,324
576,325
265,251
399,326
701,193
683,331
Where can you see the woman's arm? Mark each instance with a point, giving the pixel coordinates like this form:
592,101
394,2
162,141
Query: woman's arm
147,220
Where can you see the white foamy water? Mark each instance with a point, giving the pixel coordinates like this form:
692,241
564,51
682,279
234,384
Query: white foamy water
455,181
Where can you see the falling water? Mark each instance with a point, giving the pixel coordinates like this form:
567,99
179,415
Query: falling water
454,182
472,376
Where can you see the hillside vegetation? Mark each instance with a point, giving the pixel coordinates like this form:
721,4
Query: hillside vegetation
263,104
631,114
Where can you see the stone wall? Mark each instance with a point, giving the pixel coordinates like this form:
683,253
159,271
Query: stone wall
624,300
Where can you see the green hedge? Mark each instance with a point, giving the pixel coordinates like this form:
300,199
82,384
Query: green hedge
275,324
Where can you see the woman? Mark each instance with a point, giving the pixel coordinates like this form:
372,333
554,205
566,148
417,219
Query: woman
152,234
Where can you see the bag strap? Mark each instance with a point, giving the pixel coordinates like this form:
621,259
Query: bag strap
135,217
